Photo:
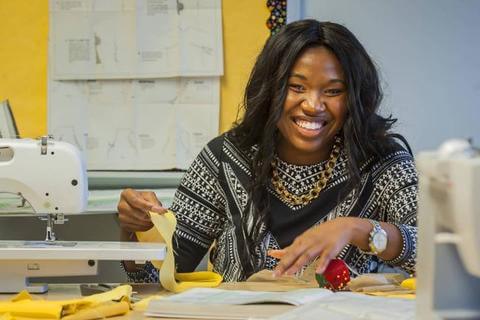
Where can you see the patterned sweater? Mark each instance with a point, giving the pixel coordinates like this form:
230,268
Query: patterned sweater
212,197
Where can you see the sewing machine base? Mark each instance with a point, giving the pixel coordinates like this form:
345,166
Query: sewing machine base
16,274
22,260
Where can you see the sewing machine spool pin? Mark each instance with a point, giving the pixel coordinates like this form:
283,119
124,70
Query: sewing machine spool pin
44,143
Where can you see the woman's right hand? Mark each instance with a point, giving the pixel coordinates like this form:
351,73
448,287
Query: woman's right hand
133,209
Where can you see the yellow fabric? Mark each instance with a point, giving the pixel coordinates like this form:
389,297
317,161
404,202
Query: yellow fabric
32,308
410,283
23,295
154,236
108,309
120,293
111,303
164,227
389,285
391,294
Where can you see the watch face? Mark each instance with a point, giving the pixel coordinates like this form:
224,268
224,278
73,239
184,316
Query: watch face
380,241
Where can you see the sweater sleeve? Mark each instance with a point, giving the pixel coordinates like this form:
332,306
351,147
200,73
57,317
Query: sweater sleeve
398,205
199,207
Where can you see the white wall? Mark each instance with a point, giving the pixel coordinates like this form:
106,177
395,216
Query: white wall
428,53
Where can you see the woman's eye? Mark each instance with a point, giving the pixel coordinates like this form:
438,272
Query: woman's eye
333,92
296,87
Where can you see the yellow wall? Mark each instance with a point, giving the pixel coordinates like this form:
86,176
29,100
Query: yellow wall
23,58
23,62
244,33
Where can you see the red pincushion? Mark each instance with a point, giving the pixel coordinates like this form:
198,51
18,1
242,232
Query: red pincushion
336,275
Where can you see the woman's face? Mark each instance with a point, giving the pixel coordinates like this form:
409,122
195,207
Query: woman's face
315,108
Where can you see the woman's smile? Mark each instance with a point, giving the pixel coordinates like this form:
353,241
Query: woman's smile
309,127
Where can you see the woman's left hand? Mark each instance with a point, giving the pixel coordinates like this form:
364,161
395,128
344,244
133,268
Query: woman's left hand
324,241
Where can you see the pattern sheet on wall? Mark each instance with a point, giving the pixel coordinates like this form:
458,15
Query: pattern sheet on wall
98,39
134,84
136,124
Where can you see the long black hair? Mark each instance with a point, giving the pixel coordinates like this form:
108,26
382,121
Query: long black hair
365,133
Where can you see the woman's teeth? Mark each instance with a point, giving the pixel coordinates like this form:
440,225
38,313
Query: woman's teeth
310,125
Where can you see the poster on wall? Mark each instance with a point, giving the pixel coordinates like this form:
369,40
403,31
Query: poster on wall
133,39
135,84
136,124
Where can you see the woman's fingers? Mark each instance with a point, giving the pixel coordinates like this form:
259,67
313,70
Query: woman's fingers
129,213
142,201
299,254
151,197
133,227
303,260
324,241
131,222
134,207
277,254
324,260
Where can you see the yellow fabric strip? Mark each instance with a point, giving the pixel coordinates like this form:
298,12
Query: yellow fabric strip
109,309
391,295
22,295
410,283
6,316
111,303
120,293
32,309
164,227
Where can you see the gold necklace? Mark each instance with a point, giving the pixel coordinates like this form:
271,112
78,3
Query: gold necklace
325,175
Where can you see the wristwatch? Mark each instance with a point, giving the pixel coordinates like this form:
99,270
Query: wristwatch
378,238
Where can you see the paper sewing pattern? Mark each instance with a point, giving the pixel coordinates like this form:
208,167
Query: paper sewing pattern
173,118
151,65
132,39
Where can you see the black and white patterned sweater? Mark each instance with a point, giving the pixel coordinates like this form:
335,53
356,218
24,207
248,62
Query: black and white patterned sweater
212,197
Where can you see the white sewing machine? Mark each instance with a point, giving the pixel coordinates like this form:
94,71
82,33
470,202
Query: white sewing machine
448,266
51,176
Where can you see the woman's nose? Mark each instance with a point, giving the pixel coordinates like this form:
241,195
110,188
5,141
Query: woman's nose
313,103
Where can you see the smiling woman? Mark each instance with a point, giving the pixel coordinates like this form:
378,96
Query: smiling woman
311,171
